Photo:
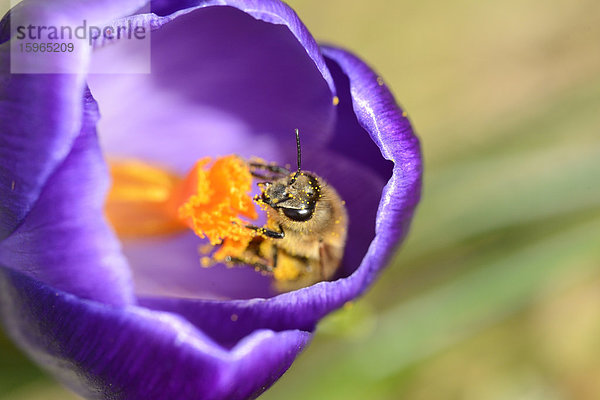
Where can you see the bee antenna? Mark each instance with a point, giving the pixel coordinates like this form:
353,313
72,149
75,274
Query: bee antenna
298,146
299,156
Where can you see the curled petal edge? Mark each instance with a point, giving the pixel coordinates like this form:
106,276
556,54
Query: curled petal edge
272,11
102,351
41,113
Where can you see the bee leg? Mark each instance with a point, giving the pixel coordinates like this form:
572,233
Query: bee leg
263,177
275,254
257,265
268,232
275,171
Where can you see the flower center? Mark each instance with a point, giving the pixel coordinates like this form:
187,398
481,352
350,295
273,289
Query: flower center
146,200
138,204
213,200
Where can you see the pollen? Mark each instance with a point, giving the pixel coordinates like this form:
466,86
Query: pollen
288,269
206,262
205,249
213,201
336,100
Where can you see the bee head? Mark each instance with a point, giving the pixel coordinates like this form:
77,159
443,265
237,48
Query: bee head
295,196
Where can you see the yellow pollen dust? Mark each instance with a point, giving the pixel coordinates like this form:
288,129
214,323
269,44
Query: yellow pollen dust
288,269
212,201
147,200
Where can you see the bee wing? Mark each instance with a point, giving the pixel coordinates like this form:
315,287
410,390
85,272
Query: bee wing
329,259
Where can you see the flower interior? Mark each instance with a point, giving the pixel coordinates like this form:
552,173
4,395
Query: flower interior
242,90
214,200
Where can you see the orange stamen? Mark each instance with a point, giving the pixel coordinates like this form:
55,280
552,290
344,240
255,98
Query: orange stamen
137,202
213,200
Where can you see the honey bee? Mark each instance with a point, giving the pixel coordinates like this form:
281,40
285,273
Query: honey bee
304,238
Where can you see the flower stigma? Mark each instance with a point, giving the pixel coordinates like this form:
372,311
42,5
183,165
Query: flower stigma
213,200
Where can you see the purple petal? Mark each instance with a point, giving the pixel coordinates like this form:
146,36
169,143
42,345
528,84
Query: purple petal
388,126
170,267
133,353
383,121
350,138
40,115
64,240
271,11
242,85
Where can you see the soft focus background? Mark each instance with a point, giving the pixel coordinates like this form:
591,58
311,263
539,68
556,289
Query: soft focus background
496,293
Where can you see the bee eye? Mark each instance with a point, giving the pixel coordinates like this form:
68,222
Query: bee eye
300,215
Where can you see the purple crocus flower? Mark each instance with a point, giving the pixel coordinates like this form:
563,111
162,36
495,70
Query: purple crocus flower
141,319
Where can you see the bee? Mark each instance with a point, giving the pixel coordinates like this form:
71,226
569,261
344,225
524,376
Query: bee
305,234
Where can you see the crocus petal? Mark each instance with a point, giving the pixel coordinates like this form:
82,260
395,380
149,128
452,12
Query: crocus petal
133,353
40,118
388,126
243,89
384,122
271,11
349,137
40,115
170,267
64,240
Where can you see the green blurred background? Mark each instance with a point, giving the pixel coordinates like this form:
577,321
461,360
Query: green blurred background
496,293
